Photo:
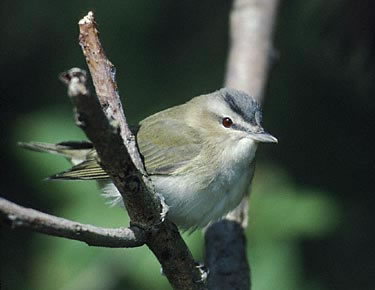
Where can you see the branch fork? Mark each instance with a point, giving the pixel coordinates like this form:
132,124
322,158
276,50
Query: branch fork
102,118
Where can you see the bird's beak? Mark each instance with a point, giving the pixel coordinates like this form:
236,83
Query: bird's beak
263,137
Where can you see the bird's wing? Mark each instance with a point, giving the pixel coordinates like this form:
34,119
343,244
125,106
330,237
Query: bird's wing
167,145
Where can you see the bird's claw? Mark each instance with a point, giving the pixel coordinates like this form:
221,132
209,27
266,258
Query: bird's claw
204,271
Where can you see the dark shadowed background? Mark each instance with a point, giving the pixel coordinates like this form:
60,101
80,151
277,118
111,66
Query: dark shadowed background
312,212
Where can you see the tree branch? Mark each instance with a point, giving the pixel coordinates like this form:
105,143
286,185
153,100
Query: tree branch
102,118
17,216
251,29
104,123
251,35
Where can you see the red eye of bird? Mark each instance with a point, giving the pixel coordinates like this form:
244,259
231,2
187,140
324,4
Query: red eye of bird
227,122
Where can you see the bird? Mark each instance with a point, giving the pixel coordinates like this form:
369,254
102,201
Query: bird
200,156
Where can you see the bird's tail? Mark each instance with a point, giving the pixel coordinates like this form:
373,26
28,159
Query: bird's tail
81,154
71,149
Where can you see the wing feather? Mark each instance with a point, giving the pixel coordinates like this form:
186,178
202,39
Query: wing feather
167,145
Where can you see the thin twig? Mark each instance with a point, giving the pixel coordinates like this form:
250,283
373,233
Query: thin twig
17,216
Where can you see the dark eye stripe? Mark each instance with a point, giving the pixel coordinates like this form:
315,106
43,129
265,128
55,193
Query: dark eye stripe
239,127
243,105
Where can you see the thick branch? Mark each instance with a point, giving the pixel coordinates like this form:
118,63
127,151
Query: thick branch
110,133
17,216
251,28
226,256
104,123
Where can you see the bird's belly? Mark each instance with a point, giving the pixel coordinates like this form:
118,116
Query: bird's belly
191,207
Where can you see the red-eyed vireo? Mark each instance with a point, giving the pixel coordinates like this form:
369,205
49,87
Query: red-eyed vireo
200,155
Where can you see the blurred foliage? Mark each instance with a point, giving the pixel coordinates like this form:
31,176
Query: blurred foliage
311,209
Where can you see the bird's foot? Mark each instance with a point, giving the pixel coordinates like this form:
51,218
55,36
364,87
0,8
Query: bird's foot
204,271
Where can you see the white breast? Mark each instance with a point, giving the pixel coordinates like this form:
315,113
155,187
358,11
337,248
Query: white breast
190,205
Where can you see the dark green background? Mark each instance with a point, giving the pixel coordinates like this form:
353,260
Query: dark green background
311,215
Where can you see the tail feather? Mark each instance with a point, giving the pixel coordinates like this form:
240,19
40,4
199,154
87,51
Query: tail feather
87,170
41,147
82,155
59,148
75,152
